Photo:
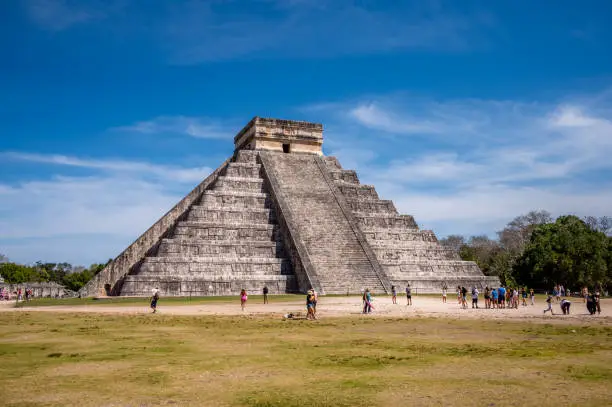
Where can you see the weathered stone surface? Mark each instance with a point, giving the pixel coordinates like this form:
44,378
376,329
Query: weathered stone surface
280,215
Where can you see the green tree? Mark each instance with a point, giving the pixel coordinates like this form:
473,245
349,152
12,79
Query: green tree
566,252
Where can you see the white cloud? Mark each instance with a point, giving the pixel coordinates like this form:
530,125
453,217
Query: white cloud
470,166
176,174
57,15
85,219
191,126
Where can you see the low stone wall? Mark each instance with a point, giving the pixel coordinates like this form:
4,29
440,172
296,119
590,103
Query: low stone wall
110,280
39,290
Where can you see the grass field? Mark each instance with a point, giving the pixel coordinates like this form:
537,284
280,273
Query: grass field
50,359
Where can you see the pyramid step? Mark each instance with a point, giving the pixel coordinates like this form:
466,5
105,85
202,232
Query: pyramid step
380,221
173,247
224,231
348,176
358,191
246,170
394,255
368,206
246,156
187,264
390,236
224,183
235,200
231,215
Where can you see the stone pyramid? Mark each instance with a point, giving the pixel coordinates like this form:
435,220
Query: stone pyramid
280,214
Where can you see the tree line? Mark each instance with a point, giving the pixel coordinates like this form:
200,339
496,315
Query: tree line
65,274
539,251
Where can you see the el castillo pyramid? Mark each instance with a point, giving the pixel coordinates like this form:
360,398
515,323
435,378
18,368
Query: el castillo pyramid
280,214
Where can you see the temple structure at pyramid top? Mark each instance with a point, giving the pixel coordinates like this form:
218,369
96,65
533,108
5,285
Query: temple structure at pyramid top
279,214
286,136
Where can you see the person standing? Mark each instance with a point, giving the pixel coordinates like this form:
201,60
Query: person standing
501,293
597,300
393,295
243,298
524,296
154,299
444,295
487,297
310,306
532,296
463,297
459,295
265,294
475,297
494,296
408,295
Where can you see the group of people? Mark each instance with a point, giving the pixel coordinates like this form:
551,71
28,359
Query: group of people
20,294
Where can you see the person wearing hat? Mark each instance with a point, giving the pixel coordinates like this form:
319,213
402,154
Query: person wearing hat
310,305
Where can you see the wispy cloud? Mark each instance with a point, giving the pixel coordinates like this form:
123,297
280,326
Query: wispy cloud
198,127
468,166
176,174
58,15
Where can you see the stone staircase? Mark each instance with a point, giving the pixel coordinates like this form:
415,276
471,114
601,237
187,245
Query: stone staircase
334,250
227,240
406,253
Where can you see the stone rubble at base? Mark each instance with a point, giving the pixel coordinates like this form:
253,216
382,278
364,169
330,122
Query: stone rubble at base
280,214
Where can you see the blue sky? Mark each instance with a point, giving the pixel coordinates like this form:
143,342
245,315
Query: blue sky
466,114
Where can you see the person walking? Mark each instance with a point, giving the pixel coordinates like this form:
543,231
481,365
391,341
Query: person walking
549,301
597,300
408,295
459,295
243,298
265,294
524,296
532,296
154,299
393,295
443,295
463,297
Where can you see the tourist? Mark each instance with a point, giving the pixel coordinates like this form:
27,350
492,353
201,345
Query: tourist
367,301
524,296
549,301
532,296
463,297
494,295
154,299
408,295
597,300
18,294
515,298
393,295
501,297
565,306
443,295
459,295
585,294
310,306
475,297
265,294
557,293
487,297
562,290
243,298
590,303
316,299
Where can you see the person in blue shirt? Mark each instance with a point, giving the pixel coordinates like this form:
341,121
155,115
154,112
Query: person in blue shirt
501,291
494,297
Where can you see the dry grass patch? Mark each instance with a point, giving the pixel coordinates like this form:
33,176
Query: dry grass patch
150,360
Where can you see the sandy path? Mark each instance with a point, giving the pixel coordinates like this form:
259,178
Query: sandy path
347,306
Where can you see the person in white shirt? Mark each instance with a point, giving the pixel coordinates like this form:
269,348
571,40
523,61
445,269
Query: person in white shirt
475,297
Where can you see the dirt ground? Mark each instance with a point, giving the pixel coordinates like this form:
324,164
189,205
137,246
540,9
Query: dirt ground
424,306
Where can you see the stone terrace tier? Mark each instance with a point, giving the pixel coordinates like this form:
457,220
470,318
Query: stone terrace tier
226,241
408,255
